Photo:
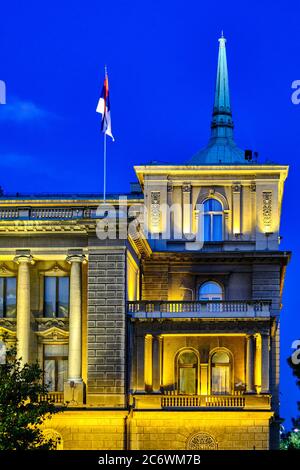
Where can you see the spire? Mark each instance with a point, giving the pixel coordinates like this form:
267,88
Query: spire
221,148
222,123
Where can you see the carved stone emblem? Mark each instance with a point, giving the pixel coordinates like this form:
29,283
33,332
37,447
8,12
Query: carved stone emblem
201,441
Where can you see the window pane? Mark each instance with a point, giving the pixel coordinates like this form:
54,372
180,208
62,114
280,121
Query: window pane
50,297
62,374
211,288
188,357
220,381
49,374
51,350
63,297
217,228
187,380
1,296
220,357
207,228
212,205
11,297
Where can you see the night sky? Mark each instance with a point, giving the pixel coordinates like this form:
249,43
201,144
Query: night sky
161,58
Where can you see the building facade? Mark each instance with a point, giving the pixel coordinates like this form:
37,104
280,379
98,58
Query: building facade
155,317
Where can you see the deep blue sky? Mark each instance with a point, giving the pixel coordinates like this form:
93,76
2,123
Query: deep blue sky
161,57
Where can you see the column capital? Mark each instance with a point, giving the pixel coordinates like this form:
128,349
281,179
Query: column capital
76,258
23,257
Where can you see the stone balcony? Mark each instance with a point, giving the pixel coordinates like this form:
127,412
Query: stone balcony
200,309
203,402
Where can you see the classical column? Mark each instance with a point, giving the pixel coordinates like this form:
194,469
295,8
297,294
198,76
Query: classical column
250,364
265,368
23,306
257,364
156,362
74,385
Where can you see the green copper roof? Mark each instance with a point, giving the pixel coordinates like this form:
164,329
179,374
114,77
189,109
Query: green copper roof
221,148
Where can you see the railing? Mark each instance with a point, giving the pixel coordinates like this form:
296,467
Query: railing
225,401
216,401
54,397
152,309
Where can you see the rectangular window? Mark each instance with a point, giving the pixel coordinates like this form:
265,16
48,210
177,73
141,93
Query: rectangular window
55,366
56,297
8,297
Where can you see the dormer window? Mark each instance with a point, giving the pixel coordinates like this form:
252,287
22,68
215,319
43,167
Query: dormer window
213,220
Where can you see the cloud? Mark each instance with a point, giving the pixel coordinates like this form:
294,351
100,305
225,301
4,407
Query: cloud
23,111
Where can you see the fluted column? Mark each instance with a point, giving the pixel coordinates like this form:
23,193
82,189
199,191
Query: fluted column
265,368
250,364
23,306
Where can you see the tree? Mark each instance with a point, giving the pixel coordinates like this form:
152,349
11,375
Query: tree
291,440
21,410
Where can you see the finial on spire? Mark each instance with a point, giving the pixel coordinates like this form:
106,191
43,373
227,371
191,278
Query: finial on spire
105,70
222,39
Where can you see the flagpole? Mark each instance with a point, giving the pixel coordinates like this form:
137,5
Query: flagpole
104,168
104,152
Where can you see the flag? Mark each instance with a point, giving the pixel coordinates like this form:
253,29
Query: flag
104,108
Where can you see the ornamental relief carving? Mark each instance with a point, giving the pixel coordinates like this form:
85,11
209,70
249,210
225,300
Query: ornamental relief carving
155,209
201,441
267,208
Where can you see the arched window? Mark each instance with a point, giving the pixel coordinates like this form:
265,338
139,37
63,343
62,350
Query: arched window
213,220
187,364
220,373
210,290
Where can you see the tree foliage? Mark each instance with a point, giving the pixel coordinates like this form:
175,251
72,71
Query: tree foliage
21,410
291,440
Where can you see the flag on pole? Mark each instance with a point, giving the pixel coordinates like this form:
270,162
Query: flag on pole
104,108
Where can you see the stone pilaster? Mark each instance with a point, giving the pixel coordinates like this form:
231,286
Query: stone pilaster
156,363
23,305
265,366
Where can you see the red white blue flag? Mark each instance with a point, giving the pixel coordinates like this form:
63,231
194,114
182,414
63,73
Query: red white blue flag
104,108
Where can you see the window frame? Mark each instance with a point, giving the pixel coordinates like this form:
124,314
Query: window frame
187,366
55,358
230,365
212,214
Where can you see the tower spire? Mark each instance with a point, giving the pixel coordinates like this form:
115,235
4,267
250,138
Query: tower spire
222,124
221,148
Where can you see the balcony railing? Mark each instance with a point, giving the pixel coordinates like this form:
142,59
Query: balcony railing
198,309
187,401
173,401
54,397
